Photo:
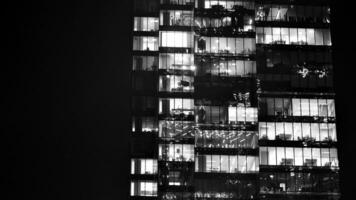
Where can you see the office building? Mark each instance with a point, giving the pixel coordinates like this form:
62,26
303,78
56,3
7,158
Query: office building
233,99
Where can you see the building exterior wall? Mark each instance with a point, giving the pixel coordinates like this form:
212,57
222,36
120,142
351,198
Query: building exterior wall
233,99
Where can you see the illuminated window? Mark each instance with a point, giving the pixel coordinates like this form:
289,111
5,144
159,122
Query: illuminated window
175,106
145,24
143,166
242,114
178,2
176,152
176,129
295,36
143,188
227,164
177,61
310,36
145,43
173,83
176,18
176,39
311,157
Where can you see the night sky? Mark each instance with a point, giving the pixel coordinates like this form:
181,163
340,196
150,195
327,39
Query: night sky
66,91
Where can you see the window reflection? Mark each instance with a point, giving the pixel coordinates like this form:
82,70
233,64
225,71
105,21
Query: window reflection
293,13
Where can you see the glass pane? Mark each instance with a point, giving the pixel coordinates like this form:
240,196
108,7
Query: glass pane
276,35
327,37
316,156
325,157
298,154
289,160
297,131
280,156
209,163
332,132
262,130
268,35
270,106
288,127
271,130
296,107
263,156
333,157
280,131
323,107
215,163
251,164
319,37
324,135
233,164
241,162
315,131
302,37
331,108
293,36
306,131
224,163
310,36
285,35
313,107
308,161
272,157
305,107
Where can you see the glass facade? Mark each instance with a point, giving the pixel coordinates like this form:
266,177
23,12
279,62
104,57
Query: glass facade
233,99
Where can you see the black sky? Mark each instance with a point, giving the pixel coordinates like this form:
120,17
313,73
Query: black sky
66,106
